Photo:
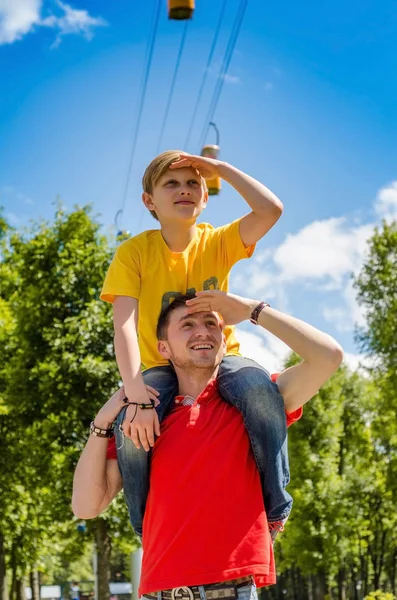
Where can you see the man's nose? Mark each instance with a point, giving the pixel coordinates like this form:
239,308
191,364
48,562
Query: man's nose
202,331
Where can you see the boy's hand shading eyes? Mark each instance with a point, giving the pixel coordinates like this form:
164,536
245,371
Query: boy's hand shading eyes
207,167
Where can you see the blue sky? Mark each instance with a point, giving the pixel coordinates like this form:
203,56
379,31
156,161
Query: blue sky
307,106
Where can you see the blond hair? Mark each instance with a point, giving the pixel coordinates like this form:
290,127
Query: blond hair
157,168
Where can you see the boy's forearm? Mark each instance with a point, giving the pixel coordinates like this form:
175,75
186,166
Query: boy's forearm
129,360
309,343
259,198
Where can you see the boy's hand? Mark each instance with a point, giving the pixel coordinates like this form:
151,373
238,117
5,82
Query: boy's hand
141,425
233,309
207,167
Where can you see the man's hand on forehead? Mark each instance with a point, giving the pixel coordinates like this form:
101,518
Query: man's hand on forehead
231,308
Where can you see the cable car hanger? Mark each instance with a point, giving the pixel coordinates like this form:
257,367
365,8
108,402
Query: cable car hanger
180,10
212,151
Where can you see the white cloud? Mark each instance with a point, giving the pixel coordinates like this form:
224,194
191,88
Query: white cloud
254,346
359,362
327,249
386,202
271,353
322,258
231,78
17,18
73,21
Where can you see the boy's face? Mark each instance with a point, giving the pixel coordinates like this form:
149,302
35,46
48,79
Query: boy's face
177,195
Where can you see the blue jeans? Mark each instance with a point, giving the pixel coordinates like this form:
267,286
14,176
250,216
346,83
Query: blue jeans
247,386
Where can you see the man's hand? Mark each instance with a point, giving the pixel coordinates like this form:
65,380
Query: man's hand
109,411
233,309
140,424
207,167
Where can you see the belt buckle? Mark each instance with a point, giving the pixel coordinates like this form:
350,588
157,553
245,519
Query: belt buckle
182,593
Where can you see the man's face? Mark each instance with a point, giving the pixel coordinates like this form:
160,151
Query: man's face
178,195
194,341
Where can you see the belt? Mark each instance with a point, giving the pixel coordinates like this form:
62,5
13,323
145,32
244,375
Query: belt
227,590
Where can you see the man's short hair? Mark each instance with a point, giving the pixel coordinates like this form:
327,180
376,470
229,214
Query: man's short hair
157,168
164,317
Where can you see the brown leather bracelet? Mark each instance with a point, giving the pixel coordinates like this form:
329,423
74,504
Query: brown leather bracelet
98,432
257,310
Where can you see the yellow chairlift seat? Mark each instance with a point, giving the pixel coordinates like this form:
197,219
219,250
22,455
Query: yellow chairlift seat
180,9
214,183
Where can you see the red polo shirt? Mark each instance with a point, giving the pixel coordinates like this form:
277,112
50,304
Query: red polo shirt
205,519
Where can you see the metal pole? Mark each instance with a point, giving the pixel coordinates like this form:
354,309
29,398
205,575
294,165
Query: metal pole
136,563
95,569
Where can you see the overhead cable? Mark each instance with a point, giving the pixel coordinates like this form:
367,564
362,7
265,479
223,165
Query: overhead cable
171,93
149,56
224,68
206,71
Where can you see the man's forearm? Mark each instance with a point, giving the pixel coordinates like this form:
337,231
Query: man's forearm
308,342
90,481
259,198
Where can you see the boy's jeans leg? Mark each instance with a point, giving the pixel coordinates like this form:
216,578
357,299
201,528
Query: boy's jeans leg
134,463
247,386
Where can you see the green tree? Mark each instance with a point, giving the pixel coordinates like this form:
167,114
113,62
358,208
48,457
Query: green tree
60,368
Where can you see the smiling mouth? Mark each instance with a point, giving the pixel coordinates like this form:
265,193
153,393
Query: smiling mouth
202,347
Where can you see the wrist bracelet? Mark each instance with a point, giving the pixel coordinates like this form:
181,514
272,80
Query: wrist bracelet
141,405
98,432
257,310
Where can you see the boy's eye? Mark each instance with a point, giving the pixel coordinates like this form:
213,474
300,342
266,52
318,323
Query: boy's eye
186,325
193,182
171,182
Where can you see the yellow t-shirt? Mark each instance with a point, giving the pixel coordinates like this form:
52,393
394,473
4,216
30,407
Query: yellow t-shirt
144,267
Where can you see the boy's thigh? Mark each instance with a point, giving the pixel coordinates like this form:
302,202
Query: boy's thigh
242,377
248,386
164,380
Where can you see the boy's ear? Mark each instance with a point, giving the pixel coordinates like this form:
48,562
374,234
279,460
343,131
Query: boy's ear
205,200
147,200
163,348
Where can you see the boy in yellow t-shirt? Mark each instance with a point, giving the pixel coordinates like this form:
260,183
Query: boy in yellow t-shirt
147,272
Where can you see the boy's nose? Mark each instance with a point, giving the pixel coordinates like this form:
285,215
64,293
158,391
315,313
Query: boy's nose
184,192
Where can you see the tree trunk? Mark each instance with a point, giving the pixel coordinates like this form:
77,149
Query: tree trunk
310,588
35,585
103,548
20,589
342,584
3,573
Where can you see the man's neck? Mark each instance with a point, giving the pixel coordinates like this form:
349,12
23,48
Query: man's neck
192,382
176,237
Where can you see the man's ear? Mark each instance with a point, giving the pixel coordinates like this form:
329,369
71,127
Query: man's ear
224,344
147,200
164,349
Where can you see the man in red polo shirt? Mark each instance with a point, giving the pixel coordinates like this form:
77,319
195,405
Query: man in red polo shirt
205,531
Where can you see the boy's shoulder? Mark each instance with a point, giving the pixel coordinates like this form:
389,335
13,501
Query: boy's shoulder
140,239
